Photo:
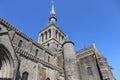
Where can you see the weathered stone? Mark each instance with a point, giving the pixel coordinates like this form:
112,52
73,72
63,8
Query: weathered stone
21,56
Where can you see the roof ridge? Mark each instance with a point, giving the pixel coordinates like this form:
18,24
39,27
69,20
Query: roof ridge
11,27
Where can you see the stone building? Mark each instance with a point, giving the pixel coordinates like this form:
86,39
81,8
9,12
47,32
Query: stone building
51,58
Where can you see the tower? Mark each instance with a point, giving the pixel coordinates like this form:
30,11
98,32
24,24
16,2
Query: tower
51,36
70,62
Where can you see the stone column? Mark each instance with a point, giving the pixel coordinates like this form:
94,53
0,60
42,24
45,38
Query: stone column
48,34
61,38
70,63
52,33
40,38
44,37
58,36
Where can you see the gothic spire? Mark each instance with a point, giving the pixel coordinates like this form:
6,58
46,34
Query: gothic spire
52,18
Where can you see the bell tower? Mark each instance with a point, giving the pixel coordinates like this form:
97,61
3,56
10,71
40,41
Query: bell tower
51,37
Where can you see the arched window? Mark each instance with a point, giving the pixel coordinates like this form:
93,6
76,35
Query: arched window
47,78
62,38
48,45
20,43
89,71
49,33
36,52
25,76
45,35
56,34
59,36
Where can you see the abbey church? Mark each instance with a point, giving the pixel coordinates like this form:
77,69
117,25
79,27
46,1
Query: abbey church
51,58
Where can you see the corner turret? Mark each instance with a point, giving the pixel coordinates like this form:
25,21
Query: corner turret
70,63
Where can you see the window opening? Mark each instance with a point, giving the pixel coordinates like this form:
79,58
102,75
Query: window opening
36,52
20,43
25,76
89,70
48,58
49,33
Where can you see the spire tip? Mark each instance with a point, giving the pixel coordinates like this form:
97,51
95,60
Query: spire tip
52,18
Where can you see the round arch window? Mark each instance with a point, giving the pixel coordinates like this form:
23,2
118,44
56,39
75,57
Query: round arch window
47,78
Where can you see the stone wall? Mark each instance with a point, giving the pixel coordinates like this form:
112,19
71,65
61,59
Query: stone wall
25,59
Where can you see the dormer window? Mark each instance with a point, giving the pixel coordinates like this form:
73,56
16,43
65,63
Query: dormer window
20,43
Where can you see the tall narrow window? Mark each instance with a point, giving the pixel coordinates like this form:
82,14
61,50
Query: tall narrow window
49,33
59,36
36,52
62,38
20,43
56,34
48,45
46,35
57,45
25,76
89,71
48,58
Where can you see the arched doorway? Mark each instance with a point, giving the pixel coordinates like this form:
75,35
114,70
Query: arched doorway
6,63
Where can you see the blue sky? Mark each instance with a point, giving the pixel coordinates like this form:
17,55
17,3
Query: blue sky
84,21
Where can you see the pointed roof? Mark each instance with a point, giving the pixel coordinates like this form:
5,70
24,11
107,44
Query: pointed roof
96,52
52,10
52,18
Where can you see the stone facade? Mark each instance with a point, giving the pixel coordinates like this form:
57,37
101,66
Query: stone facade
51,58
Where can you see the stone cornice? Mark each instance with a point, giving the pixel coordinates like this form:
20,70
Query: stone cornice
67,42
50,40
85,52
55,26
35,59
11,27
